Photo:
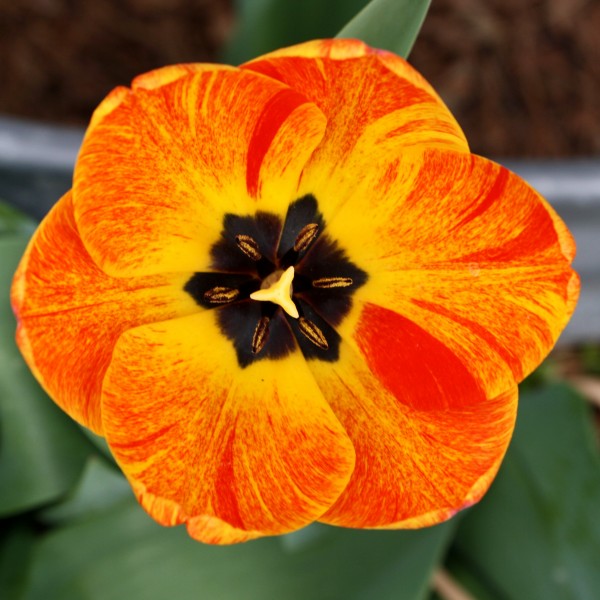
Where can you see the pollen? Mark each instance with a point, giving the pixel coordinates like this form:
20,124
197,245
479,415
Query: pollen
221,295
279,292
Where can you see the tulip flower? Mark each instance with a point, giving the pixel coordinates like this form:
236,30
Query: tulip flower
287,292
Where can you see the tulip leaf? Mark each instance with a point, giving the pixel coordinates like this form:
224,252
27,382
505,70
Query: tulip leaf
100,488
265,25
43,451
14,222
16,548
537,533
388,24
123,554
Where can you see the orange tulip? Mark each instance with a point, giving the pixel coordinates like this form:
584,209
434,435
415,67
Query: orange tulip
288,292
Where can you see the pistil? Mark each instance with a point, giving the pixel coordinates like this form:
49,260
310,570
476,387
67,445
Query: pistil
278,291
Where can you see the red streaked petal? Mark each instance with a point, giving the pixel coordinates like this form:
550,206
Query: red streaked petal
158,78
157,174
376,106
70,313
276,112
239,452
466,251
412,364
148,81
413,468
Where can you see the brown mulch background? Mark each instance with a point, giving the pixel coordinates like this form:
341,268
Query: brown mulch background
521,76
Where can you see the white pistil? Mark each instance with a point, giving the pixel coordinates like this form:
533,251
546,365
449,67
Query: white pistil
279,292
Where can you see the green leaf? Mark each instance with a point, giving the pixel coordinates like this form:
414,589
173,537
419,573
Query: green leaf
100,489
43,451
265,25
123,554
537,533
16,547
388,24
14,222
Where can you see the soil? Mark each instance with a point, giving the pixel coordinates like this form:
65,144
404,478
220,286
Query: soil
521,76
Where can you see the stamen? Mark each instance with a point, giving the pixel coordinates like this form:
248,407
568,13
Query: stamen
249,246
221,295
279,292
261,333
306,236
332,282
313,333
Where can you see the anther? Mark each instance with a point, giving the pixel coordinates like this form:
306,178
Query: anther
313,333
261,333
332,282
306,236
249,246
221,295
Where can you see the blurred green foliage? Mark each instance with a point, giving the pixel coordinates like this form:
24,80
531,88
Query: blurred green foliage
535,534
119,552
388,24
265,25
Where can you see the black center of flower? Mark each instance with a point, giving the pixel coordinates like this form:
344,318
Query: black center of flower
254,251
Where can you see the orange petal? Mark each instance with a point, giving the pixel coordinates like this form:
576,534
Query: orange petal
160,168
376,105
70,313
467,252
233,452
413,468
163,76
150,80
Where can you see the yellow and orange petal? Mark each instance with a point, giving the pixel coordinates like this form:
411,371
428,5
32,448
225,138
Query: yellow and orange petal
376,106
164,162
467,252
70,313
234,453
414,466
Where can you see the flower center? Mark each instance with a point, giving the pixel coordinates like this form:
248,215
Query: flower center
255,262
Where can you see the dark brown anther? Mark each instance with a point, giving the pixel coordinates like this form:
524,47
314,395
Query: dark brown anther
306,236
261,333
332,282
313,333
249,246
221,295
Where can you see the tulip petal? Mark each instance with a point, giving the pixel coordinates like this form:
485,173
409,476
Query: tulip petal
376,105
149,81
179,151
70,313
413,468
233,452
463,250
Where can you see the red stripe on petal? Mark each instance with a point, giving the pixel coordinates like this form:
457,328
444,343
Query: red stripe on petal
274,114
490,197
513,361
418,125
414,366
538,235
151,439
226,501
